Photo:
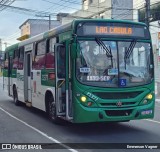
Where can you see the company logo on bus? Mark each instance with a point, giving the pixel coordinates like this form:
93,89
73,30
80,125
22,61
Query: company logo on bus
119,104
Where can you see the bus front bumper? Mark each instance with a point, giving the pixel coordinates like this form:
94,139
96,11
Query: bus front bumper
84,114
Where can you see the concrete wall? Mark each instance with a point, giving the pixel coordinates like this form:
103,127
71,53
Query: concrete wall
154,29
122,9
25,29
38,27
34,27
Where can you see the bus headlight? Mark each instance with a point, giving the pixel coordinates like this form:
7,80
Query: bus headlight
83,99
149,96
147,99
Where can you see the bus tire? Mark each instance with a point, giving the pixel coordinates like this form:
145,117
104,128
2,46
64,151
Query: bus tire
15,97
51,110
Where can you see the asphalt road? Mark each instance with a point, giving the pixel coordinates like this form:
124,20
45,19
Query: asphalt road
20,124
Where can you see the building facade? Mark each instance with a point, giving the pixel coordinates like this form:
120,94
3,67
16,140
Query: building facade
32,27
155,34
109,9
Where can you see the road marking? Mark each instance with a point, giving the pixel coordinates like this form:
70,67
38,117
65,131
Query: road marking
40,132
153,121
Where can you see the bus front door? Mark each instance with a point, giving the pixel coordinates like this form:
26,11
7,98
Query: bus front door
10,65
27,78
60,60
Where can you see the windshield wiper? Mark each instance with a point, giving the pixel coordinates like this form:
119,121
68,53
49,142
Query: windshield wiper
107,50
129,51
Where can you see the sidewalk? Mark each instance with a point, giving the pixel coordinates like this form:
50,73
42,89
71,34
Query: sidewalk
157,96
1,80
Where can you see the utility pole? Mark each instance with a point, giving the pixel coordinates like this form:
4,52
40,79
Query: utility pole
147,16
49,16
49,21
5,44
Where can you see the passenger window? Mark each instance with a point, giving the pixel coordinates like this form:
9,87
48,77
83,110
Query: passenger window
15,59
61,61
21,58
39,61
6,61
50,58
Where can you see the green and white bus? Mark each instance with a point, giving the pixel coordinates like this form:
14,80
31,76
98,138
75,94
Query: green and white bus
91,70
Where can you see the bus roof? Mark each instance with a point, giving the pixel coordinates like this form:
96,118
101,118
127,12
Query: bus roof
50,33
11,48
65,28
109,20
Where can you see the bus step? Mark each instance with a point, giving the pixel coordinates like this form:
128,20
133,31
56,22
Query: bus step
28,104
61,114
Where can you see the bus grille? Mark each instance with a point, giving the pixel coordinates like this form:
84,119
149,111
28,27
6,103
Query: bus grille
118,112
117,95
115,104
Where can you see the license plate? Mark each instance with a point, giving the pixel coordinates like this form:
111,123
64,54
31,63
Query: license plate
146,112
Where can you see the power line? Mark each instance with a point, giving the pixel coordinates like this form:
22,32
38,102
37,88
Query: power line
106,9
5,2
95,6
11,37
65,6
73,2
58,8
30,11
25,10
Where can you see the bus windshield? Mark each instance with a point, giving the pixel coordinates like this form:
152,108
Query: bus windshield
114,63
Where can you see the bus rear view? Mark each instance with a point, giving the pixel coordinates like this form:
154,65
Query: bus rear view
113,71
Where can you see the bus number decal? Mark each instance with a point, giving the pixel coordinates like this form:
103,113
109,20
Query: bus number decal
93,97
44,77
84,70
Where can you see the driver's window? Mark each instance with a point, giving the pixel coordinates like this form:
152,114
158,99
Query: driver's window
61,62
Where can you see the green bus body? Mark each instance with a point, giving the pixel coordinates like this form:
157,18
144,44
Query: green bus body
100,104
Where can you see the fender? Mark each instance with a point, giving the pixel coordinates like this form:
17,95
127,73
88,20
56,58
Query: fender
50,90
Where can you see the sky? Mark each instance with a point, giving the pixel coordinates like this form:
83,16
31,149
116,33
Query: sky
10,19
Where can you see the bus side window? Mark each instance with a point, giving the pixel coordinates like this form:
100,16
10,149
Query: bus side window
20,58
61,62
33,56
50,61
15,59
6,61
39,61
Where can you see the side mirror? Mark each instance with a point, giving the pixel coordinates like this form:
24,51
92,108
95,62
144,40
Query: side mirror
74,51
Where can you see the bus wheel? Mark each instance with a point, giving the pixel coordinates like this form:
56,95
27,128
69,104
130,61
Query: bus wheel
15,97
52,110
